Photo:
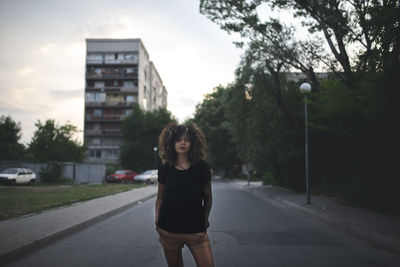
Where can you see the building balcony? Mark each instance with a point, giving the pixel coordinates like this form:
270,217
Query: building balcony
127,89
97,76
112,62
103,132
103,146
122,104
105,118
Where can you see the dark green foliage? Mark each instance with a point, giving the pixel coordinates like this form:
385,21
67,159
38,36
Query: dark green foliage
10,134
140,133
54,143
211,118
353,118
52,173
349,146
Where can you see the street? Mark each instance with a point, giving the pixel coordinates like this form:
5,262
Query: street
245,231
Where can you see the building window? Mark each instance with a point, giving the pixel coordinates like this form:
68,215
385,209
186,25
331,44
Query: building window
95,154
115,56
98,84
129,98
97,112
130,56
112,154
95,97
128,84
96,141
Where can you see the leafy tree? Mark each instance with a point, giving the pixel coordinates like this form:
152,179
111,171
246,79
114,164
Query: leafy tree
10,134
353,119
271,38
54,143
140,134
211,118
371,26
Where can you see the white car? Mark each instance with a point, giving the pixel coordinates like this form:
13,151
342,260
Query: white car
149,177
15,176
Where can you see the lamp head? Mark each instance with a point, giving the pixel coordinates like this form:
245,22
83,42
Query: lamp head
305,87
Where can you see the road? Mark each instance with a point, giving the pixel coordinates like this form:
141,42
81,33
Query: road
245,231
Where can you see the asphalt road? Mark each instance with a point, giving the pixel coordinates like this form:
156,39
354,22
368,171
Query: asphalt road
245,231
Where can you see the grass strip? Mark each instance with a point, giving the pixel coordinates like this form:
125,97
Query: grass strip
21,200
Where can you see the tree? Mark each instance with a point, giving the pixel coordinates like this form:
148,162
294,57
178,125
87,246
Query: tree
10,134
271,38
211,118
373,27
52,142
140,136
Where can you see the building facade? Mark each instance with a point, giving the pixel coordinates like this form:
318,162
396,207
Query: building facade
119,75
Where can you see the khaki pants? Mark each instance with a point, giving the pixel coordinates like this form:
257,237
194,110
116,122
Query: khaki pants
177,241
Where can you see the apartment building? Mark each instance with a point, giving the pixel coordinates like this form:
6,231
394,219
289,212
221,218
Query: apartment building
119,75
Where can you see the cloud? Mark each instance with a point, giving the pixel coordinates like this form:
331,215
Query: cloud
26,71
44,49
64,95
8,107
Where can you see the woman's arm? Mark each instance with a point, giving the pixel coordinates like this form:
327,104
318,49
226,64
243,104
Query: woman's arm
159,201
207,202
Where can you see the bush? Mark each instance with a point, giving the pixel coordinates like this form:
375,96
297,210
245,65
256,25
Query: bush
112,168
269,179
52,173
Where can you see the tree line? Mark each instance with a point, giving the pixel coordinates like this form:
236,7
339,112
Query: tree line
51,142
259,117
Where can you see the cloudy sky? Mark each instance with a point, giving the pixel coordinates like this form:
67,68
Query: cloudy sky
42,53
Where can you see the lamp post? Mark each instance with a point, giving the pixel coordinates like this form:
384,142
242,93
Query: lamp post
305,88
155,157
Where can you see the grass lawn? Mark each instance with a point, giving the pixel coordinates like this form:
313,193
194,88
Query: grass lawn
20,200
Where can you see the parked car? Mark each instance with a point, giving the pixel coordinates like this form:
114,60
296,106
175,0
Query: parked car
15,176
149,176
122,176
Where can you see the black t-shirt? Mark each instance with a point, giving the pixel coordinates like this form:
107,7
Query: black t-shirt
182,209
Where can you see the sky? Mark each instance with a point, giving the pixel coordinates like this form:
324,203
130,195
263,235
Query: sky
42,54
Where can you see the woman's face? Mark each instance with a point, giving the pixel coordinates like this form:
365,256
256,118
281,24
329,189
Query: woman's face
182,145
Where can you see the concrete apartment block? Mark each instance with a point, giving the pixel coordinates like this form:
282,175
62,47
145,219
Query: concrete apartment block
119,75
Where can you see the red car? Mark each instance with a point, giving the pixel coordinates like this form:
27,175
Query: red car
122,176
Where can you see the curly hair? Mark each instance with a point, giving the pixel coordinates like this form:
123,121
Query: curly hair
171,133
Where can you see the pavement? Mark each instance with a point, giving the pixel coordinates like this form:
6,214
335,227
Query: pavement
380,229
24,234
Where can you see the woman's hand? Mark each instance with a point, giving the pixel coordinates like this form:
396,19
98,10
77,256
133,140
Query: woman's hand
207,224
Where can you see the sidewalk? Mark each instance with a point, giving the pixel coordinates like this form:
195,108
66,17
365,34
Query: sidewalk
27,232
380,229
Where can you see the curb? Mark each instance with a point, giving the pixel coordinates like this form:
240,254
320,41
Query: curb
32,246
372,237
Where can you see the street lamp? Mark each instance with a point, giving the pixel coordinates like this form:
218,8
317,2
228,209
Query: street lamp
305,88
155,157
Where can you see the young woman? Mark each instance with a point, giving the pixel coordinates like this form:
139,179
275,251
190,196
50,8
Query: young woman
184,196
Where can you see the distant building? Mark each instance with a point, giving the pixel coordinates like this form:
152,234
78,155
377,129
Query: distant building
119,75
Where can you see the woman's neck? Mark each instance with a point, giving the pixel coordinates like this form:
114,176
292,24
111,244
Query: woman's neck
182,162
182,159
